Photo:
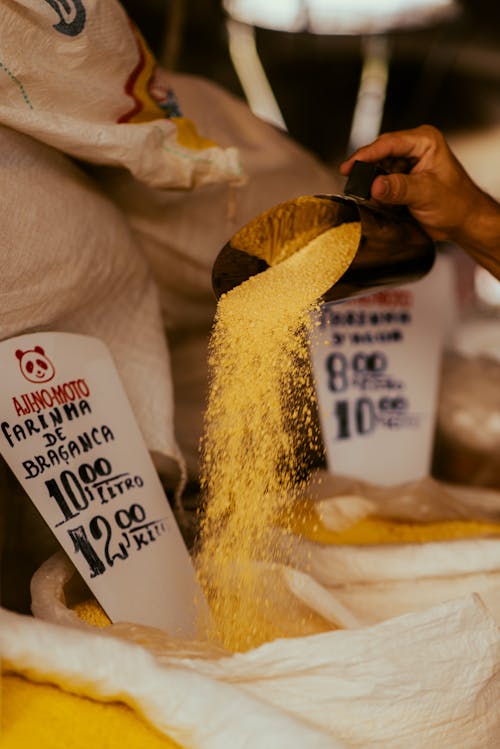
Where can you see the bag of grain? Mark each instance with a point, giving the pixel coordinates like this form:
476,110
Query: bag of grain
88,91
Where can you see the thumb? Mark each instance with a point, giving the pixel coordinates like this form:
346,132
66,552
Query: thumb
393,188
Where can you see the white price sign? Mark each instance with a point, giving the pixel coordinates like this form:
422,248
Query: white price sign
69,435
376,363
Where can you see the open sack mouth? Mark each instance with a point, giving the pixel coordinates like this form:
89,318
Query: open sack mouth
345,681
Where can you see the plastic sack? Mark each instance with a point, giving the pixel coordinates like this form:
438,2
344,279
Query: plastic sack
417,679
91,88
413,679
377,581
70,263
344,500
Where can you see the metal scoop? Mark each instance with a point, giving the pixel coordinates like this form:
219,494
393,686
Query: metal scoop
393,249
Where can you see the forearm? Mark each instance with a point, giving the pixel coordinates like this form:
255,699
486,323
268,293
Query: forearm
480,234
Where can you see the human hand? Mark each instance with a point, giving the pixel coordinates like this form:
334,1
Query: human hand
437,190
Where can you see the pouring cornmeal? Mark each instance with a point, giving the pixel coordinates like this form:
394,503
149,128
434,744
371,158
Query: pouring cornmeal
392,249
261,403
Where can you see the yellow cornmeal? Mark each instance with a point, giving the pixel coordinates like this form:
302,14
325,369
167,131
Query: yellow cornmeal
92,613
41,716
260,401
378,531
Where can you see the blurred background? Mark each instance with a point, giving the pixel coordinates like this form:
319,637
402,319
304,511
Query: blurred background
334,73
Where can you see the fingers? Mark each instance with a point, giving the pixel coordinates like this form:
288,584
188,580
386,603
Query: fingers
398,164
417,191
393,188
405,144
389,145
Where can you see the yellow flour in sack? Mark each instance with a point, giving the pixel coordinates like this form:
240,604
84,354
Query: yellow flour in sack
260,404
304,520
43,716
92,613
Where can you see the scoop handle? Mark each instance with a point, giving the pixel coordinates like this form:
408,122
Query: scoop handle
363,173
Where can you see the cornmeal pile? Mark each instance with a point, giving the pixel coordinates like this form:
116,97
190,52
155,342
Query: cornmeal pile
372,530
260,404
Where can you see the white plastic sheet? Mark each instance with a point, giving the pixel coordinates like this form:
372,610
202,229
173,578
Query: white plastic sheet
429,680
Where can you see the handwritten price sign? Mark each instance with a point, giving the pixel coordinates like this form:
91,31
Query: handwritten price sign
69,435
376,363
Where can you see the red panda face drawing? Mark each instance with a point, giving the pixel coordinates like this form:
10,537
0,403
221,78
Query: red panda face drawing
35,365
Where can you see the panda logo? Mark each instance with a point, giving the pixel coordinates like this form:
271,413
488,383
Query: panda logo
35,365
